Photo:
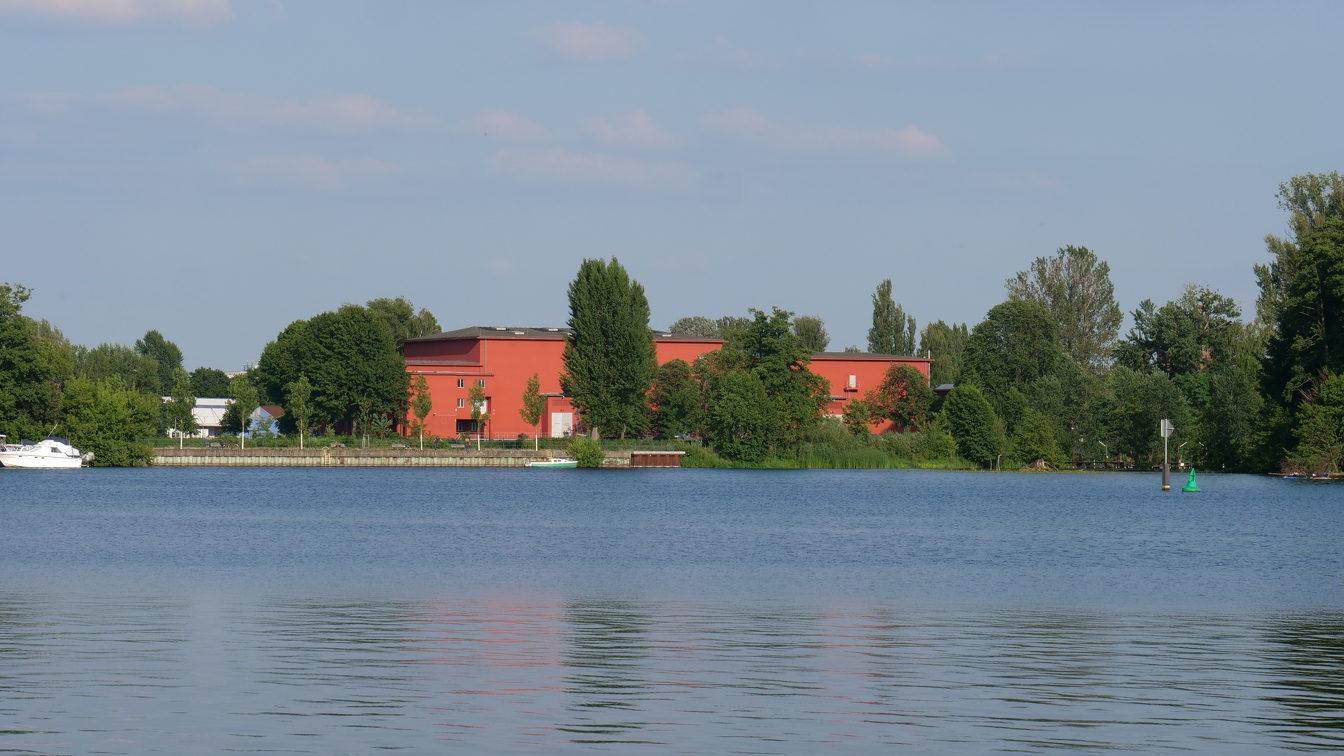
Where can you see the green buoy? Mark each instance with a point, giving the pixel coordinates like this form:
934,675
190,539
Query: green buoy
1192,486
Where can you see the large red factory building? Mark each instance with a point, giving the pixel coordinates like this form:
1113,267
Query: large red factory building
505,358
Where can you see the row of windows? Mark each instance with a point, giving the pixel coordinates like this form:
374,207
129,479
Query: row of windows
462,383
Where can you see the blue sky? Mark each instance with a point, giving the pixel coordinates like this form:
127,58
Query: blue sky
218,168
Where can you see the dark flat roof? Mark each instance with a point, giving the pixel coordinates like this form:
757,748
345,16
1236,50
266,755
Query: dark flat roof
506,332
866,356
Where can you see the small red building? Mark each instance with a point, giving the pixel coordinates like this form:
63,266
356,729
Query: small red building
505,358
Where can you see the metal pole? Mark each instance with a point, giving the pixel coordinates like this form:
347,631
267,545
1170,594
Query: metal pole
1166,468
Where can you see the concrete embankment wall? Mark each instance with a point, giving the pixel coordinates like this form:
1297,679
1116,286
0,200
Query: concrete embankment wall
198,457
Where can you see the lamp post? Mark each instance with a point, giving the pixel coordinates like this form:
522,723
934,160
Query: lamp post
1180,462
1106,450
1165,428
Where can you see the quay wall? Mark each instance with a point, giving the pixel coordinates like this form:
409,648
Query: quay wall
326,457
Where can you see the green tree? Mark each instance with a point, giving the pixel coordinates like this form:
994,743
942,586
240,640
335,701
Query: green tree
534,408
111,419
1300,312
969,417
741,420
35,362
696,325
402,320
944,344
609,358
903,397
1014,345
1198,341
1141,401
676,399
1320,429
137,371
730,325
811,333
858,417
893,331
299,410
166,355
180,407
245,402
768,348
422,403
479,409
1076,288
1033,442
211,382
351,360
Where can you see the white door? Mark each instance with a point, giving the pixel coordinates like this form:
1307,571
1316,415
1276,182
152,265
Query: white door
562,424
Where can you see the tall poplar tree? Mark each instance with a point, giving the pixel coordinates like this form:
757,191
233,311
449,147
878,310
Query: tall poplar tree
893,331
609,360
1076,288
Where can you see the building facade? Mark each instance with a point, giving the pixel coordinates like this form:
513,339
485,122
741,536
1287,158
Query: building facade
502,360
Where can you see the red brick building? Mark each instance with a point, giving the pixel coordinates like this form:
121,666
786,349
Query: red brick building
505,358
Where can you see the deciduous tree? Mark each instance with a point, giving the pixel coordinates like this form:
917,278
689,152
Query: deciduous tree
111,420
245,402
1076,288
695,325
741,420
609,358
299,410
479,409
166,355
676,399
534,407
402,320
903,397
211,382
893,332
811,333
944,344
970,419
180,408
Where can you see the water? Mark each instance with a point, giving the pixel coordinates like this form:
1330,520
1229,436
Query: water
200,611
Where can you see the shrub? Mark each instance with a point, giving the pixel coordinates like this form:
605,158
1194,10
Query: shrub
588,452
971,421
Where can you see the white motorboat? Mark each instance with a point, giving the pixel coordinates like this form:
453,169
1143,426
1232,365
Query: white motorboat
51,453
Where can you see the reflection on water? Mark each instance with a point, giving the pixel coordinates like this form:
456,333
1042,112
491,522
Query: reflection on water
1309,652
207,675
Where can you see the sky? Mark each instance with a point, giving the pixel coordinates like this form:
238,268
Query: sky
216,169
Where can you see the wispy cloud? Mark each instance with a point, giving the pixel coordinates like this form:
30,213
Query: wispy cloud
344,113
723,54
561,165
193,12
590,42
311,171
635,128
501,124
910,141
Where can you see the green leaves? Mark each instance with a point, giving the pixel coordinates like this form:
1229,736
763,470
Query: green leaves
893,332
1076,288
609,359
112,420
903,396
970,419
676,399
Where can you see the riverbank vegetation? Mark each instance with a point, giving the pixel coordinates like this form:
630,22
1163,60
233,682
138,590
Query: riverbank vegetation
1044,380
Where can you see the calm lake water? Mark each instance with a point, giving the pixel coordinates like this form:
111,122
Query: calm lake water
199,611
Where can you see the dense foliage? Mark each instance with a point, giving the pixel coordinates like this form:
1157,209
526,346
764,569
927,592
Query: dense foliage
893,331
609,358
351,362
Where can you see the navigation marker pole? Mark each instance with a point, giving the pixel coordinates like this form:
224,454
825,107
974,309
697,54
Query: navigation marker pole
1166,429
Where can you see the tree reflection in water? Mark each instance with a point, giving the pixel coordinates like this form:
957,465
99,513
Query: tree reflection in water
605,660
1310,653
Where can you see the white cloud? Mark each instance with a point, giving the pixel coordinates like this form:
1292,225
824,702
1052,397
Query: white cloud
499,124
194,12
910,141
312,171
723,54
561,165
344,113
634,128
591,42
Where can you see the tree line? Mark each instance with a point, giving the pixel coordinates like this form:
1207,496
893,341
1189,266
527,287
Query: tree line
110,399
1044,379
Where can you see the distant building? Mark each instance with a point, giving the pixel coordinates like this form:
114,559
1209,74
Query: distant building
209,414
502,359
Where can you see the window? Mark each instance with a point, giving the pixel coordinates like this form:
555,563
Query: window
461,383
481,383
461,403
466,426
